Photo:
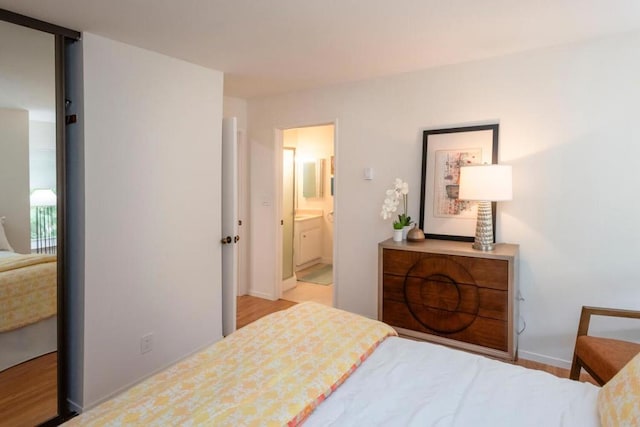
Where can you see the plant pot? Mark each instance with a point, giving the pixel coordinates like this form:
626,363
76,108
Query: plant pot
405,230
397,235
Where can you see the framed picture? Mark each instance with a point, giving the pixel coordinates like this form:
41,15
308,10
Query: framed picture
442,215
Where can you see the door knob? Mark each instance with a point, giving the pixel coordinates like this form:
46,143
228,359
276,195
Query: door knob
226,240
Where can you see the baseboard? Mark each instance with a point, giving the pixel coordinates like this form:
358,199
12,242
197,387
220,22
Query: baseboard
262,295
326,260
74,407
308,264
289,283
547,360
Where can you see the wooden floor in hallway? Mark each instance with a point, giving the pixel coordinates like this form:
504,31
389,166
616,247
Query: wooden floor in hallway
250,309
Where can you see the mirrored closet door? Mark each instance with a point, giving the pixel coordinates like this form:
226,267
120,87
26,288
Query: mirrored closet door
32,368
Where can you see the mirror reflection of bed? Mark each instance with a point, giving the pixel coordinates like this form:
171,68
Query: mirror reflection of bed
28,239
27,307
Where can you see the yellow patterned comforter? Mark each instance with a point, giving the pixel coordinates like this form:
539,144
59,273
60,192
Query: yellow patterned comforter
272,372
27,290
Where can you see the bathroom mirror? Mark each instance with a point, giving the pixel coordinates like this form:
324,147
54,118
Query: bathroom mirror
313,179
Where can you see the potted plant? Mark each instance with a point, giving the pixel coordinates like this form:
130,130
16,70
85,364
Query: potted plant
394,196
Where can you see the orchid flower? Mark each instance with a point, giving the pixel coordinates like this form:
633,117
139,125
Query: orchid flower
398,193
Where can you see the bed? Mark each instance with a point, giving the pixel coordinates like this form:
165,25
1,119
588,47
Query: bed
321,366
27,307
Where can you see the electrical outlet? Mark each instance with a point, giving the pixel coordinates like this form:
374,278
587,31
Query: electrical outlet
146,343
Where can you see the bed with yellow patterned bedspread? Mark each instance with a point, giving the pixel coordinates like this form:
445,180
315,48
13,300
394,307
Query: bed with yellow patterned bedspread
274,371
27,290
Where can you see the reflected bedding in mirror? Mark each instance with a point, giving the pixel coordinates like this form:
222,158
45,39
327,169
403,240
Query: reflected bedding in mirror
4,243
27,306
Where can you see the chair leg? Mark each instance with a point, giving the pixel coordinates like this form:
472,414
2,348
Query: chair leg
575,368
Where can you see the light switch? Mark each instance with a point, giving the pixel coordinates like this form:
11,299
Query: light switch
368,173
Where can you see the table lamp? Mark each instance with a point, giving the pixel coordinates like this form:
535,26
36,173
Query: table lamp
485,184
43,197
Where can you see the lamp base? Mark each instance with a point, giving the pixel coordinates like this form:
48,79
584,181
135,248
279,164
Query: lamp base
484,228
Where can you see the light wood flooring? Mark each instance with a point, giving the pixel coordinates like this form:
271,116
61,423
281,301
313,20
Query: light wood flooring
250,309
28,392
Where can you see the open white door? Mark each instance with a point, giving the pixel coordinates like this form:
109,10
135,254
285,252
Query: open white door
229,224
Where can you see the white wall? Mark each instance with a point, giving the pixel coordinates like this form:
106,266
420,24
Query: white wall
152,129
14,177
568,125
236,107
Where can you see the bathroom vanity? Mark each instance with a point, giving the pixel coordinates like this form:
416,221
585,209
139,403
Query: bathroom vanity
307,239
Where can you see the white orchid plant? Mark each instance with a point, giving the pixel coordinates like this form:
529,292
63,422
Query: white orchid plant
394,196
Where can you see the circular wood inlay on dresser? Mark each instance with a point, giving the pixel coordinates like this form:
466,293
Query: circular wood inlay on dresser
441,294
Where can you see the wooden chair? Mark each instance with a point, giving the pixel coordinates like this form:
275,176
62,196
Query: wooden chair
602,358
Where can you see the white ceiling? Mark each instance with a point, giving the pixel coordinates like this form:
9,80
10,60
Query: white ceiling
273,46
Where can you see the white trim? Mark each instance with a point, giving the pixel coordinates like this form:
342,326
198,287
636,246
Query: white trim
547,360
336,210
279,146
289,283
310,264
262,295
243,213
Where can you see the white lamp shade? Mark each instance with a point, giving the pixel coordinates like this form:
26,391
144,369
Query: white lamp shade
485,182
43,197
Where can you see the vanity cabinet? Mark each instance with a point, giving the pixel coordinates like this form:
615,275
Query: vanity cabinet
447,292
308,240
310,245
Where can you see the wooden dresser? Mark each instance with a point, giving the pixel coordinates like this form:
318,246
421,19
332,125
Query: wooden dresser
447,292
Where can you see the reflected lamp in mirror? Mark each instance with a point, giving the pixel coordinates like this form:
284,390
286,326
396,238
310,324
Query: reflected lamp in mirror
43,197
485,184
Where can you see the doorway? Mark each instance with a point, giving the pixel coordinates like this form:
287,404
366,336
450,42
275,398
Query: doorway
307,213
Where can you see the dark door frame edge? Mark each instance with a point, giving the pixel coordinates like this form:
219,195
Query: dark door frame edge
61,187
36,24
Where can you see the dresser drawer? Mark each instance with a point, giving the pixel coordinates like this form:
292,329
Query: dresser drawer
490,273
450,293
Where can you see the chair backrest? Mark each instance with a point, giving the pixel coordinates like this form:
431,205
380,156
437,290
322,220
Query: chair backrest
601,357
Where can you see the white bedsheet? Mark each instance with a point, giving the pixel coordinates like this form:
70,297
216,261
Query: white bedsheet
27,342
409,383
7,254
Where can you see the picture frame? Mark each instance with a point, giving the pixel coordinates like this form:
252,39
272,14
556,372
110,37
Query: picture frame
442,215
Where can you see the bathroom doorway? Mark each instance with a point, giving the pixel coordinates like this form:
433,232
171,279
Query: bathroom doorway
308,171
